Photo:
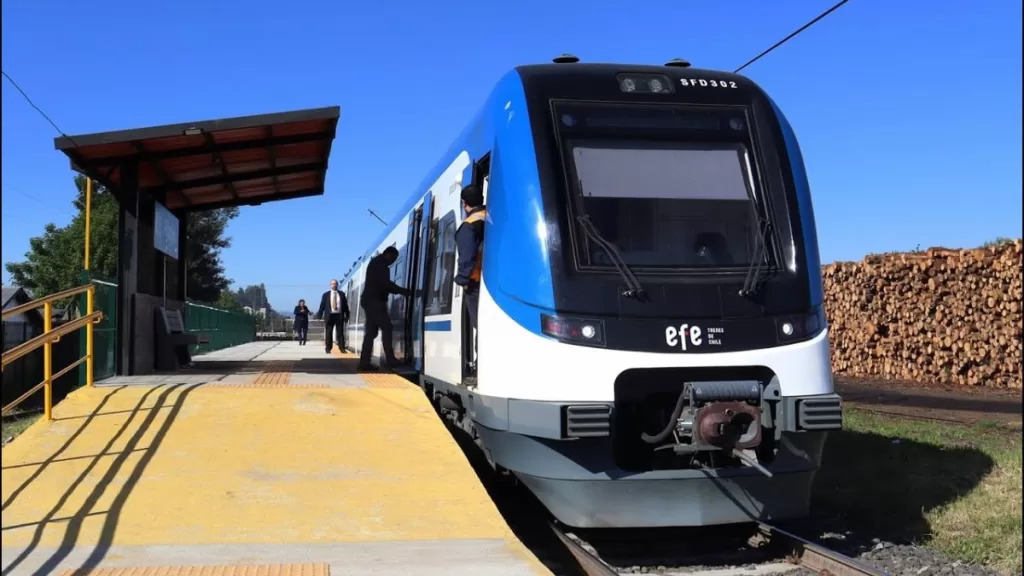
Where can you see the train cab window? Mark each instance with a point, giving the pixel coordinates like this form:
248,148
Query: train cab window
439,298
676,205
672,187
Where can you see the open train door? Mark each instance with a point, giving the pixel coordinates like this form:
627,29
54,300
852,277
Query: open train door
423,221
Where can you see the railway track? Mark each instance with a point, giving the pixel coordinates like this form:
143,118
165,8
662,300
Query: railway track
798,553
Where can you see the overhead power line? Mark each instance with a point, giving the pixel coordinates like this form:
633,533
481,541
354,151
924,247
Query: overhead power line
37,108
48,204
792,35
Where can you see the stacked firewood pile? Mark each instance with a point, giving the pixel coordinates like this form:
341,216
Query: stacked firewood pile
942,316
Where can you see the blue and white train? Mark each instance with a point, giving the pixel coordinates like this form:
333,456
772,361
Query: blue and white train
652,347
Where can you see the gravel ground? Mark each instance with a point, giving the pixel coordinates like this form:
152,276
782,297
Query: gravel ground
907,560
894,560
657,557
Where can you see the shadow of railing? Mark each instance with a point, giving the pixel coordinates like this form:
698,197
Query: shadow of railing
54,457
112,515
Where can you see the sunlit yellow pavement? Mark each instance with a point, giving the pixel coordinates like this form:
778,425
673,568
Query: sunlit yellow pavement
138,470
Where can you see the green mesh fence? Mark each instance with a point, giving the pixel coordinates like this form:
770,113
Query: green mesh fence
104,335
223,328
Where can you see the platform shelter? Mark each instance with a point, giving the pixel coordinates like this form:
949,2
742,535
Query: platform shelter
161,174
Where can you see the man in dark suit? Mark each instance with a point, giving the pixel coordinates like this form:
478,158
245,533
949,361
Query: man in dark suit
374,302
334,309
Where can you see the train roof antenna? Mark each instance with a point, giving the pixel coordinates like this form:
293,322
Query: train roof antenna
374,214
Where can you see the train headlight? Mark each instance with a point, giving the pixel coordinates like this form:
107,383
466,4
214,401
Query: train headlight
797,328
573,330
645,84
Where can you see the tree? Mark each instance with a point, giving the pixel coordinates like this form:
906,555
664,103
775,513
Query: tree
206,238
55,259
227,301
253,296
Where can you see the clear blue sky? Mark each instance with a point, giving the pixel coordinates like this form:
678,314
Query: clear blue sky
909,113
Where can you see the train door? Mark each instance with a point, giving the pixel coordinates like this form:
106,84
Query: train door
359,315
397,304
419,238
442,327
353,306
480,177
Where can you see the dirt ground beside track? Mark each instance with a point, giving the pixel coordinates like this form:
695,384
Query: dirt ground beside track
934,401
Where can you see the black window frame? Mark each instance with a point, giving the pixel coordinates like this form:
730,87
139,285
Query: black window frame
443,251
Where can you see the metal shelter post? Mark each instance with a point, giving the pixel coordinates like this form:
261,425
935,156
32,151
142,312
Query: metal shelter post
90,296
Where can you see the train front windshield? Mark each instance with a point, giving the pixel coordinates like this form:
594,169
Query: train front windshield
670,187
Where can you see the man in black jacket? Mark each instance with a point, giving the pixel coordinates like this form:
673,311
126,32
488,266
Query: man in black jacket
334,309
469,239
374,301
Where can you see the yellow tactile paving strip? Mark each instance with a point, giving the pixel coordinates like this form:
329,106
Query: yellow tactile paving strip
276,373
256,570
264,385
339,353
189,465
387,381
376,380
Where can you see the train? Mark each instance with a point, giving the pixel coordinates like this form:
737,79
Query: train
651,347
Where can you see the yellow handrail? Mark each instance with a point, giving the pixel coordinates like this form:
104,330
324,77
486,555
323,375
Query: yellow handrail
47,300
46,340
48,337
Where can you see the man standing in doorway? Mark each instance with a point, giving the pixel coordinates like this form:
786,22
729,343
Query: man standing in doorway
469,239
374,302
334,309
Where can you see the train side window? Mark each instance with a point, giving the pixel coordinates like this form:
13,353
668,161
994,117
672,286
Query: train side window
439,299
396,304
482,174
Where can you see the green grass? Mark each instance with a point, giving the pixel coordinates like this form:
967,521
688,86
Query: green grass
954,488
15,424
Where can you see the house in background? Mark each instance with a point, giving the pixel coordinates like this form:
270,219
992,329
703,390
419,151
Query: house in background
20,327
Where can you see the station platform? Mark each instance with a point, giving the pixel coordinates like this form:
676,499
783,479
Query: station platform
265,458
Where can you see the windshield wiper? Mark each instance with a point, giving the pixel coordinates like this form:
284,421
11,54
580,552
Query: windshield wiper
755,273
633,287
